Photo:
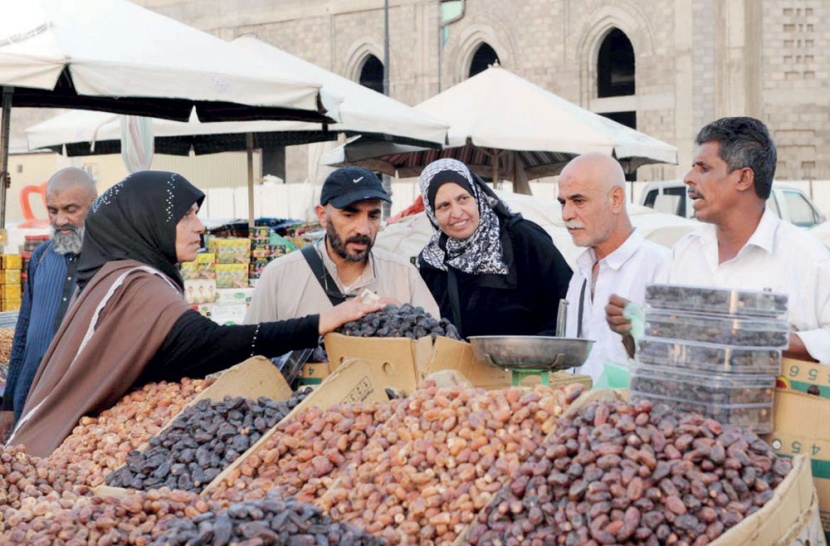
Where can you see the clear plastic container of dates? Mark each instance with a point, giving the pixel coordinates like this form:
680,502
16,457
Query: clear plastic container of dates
695,299
716,329
744,400
694,356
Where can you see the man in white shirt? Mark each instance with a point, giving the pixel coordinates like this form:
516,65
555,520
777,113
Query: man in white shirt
618,259
744,245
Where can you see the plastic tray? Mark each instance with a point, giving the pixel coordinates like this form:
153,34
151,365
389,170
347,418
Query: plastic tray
711,388
715,300
757,418
744,332
709,357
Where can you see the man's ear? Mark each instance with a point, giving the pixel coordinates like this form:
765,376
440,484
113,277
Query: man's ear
322,217
746,180
617,198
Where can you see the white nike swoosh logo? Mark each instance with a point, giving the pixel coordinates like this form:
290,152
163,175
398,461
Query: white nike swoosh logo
356,180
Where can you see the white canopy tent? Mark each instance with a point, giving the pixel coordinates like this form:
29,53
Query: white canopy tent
505,124
113,55
362,110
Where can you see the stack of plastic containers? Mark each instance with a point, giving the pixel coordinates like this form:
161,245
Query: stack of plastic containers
711,351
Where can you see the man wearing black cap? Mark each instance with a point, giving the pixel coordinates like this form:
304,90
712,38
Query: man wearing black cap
343,264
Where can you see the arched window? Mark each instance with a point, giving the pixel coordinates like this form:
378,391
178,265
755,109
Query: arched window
483,58
371,75
615,66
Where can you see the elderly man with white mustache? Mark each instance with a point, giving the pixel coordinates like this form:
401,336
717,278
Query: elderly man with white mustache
49,286
618,259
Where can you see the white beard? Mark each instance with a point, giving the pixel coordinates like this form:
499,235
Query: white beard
67,243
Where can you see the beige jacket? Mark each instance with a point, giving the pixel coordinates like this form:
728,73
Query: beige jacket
287,288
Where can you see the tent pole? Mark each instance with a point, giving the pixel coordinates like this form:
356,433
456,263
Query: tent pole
5,131
496,155
249,148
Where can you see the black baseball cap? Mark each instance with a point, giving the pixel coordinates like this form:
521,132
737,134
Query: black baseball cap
350,185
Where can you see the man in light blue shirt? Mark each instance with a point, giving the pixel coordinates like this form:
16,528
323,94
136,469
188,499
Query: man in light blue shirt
49,286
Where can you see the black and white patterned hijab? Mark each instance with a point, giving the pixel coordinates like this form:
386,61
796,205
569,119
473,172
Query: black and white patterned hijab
481,253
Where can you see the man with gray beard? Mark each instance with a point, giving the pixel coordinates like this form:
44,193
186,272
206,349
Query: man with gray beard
344,263
49,286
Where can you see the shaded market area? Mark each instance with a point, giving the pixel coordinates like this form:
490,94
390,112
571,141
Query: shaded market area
253,378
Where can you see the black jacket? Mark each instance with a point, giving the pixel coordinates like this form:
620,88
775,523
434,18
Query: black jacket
523,302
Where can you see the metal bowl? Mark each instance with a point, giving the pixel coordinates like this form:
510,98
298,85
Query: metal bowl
531,352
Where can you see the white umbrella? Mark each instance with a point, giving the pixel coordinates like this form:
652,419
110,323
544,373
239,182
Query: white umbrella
504,123
116,56
362,110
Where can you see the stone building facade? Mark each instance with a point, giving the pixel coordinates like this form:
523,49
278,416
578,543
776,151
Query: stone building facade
694,60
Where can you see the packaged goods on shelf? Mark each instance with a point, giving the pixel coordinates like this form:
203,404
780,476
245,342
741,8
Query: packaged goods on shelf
203,267
231,275
200,290
231,250
232,296
11,261
10,276
10,291
229,315
10,305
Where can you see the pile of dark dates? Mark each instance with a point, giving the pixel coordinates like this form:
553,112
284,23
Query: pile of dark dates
266,521
404,321
201,442
620,473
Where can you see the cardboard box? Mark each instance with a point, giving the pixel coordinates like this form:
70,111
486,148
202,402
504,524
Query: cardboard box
409,361
314,373
802,427
800,375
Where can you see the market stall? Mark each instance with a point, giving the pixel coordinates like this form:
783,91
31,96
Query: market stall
240,457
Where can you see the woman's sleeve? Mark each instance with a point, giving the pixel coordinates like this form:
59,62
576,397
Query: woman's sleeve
196,346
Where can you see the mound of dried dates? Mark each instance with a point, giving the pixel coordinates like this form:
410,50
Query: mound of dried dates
305,454
440,457
99,445
267,521
403,321
205,439
618,473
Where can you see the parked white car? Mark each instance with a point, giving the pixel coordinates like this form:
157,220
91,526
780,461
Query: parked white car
787,201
